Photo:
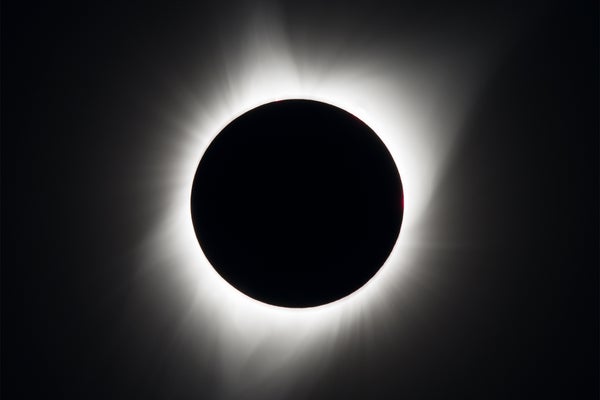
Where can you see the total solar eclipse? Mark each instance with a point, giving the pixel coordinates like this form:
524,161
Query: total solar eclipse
297,203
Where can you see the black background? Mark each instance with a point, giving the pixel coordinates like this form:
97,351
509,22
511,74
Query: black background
514,314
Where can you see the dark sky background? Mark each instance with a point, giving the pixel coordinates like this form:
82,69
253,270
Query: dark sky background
513,315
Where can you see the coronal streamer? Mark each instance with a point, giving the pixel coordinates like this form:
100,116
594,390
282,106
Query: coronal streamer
413,102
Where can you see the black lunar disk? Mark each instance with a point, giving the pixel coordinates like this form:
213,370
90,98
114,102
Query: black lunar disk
297,203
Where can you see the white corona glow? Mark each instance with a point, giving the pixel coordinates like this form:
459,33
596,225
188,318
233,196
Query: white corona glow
411,111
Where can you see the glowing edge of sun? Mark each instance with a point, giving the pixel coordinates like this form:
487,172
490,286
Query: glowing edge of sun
235,299
397,107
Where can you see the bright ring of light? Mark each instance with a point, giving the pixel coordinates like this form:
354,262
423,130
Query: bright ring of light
396,106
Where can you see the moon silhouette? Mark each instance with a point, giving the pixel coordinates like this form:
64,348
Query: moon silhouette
297,203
